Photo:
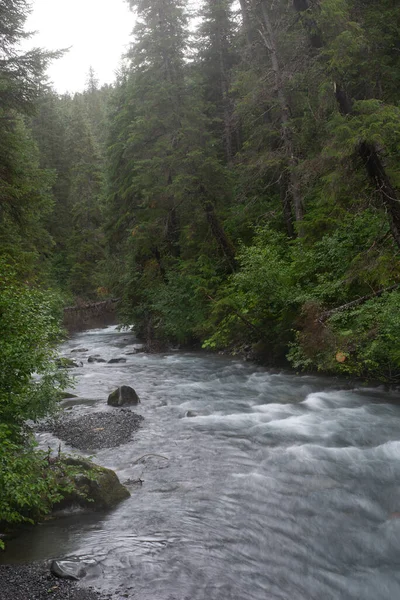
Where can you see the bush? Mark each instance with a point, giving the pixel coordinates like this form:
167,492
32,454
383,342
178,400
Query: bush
29,331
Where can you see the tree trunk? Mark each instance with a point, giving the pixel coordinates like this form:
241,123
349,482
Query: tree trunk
268,38
286,207
349,305
217,230
224,89
246,21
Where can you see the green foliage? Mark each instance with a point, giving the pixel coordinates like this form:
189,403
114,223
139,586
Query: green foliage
365,336
256,301
29,379
29,485
182,302
226,200
29,331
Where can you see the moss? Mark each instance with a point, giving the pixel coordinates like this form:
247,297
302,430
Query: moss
91,486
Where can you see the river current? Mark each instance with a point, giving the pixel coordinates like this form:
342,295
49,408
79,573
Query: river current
267,485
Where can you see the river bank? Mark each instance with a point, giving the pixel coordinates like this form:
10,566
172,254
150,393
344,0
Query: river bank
250,483
35,582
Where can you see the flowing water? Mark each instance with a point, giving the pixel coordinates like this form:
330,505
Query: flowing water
278,487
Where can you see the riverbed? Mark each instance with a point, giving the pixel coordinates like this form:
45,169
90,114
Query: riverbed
256,485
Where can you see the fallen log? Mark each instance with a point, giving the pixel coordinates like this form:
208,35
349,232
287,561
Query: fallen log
349,305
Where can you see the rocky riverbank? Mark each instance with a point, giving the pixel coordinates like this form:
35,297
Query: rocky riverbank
35,582
86,433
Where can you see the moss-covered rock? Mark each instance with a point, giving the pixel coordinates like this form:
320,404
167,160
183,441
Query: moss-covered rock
91,486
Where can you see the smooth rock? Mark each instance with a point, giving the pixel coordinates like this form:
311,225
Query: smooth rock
123,395
117,360
79,350
191,413
68,569
96,359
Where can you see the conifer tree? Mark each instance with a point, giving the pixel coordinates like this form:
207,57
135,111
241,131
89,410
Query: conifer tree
24,187
217,57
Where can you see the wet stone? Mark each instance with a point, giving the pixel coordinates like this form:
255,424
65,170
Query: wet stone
96,359
68,569
123,395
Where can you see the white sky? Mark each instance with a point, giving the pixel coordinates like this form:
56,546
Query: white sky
97,30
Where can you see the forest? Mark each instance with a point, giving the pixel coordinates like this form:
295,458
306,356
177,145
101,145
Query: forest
237,189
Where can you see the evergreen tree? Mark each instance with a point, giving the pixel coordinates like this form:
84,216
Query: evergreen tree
24,187
217,57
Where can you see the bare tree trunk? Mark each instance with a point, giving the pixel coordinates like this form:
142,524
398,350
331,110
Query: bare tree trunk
246,21
268,37
224,87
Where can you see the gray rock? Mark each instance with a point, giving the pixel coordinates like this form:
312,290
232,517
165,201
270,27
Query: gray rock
65,395
123,395
68,569
94,487
117,360
96,359
137,348
191,413
79,350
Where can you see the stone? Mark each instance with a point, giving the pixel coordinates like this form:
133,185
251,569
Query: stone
65,395
123,395
94,487
117,360
68,363
96,359
137,348
191,413
79,350
68,569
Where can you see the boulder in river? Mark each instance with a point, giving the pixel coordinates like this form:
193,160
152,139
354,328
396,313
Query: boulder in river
68,569
136,349
79,350
65,395
116,360
191,413
91,486
123,395
96,359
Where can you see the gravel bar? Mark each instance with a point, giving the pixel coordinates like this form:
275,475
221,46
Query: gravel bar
96,430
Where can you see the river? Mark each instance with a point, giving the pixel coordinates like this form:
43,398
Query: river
279,487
